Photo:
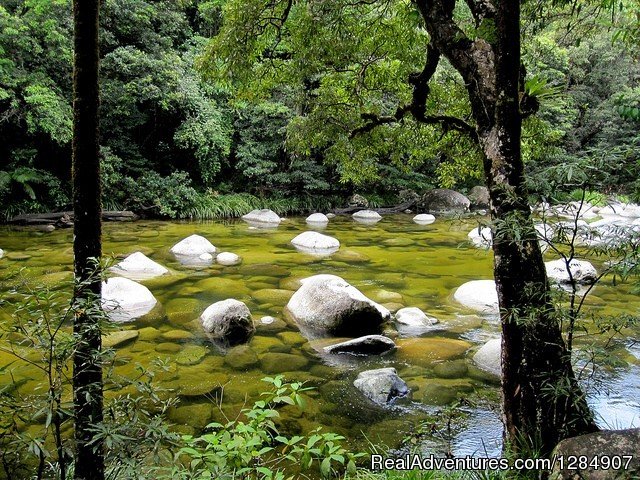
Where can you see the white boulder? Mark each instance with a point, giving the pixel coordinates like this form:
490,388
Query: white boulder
264,217
582,272
138,266
487,358
479,295
481,237
193,246
312,242
228,259
228,321
367,216
412,319
1,253
328,305
367,345
317,218
424,219
125,300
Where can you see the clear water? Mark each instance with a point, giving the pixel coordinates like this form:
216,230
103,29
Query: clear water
394,261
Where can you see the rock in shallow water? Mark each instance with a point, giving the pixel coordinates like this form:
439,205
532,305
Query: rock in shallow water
413,319
487,358
382,386
125,300
317,218
582,272
193,246
328,305
264,217
228,259
367,345
313,242
479,295
367,216
228,321
424,219
138,266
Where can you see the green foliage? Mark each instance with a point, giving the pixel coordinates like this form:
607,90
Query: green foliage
252,447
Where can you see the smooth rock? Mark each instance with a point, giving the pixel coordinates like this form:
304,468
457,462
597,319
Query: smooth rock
481,237
479,295
366,216
327,304
138,266
118,339
424,219
413,319
125,300
582,272
1,253
600,446
264,216
331,215
241,357
350,256
317,218
193,246
228,259
282,362
191,355
228,321
425,351
367,345
382,386
315,242
487,358
275,296
442,200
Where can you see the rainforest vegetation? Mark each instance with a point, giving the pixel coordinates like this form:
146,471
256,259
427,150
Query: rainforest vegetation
196,125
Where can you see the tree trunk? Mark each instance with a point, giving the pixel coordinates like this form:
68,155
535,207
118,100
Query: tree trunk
87,367
542,401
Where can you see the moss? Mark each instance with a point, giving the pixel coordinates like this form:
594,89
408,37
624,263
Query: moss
191,355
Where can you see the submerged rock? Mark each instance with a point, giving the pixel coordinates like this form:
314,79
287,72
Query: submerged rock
138,266
479,295
582,272
117,339
487,358
367,345
382,386
598,447
191,355
228,321
317,218
314,242
328,305
264,217
125,300
412,319
273,362
228,259
241,357
424,219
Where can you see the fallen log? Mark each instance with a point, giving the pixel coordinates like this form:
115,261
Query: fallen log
63,219
381,210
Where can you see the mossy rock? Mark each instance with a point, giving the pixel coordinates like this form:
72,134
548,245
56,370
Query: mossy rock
452,369
191,355
282,362
254,286
224,287
17,256
196,415
391,279
199,384
276,326
176,335
294,339
398,242
386,296
241,357
440,391
350,256
264,269
181,310
118,339
168,347
262,344
148,334
393,307
426,351
56,278
274,296
291,283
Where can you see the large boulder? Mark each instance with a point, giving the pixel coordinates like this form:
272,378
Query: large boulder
194,250
358,201
264,217
444,201
138,266
414,320
607,455
367,216
582,272
314,242
328,305
479,197
481,237
125,300
382,386
424,219
479,295
487,358
317,219
367,345
228,321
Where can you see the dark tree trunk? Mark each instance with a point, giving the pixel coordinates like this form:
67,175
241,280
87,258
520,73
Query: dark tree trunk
542,401
87,367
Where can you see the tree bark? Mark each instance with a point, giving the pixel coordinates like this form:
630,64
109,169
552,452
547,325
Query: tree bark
87,248
542,401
